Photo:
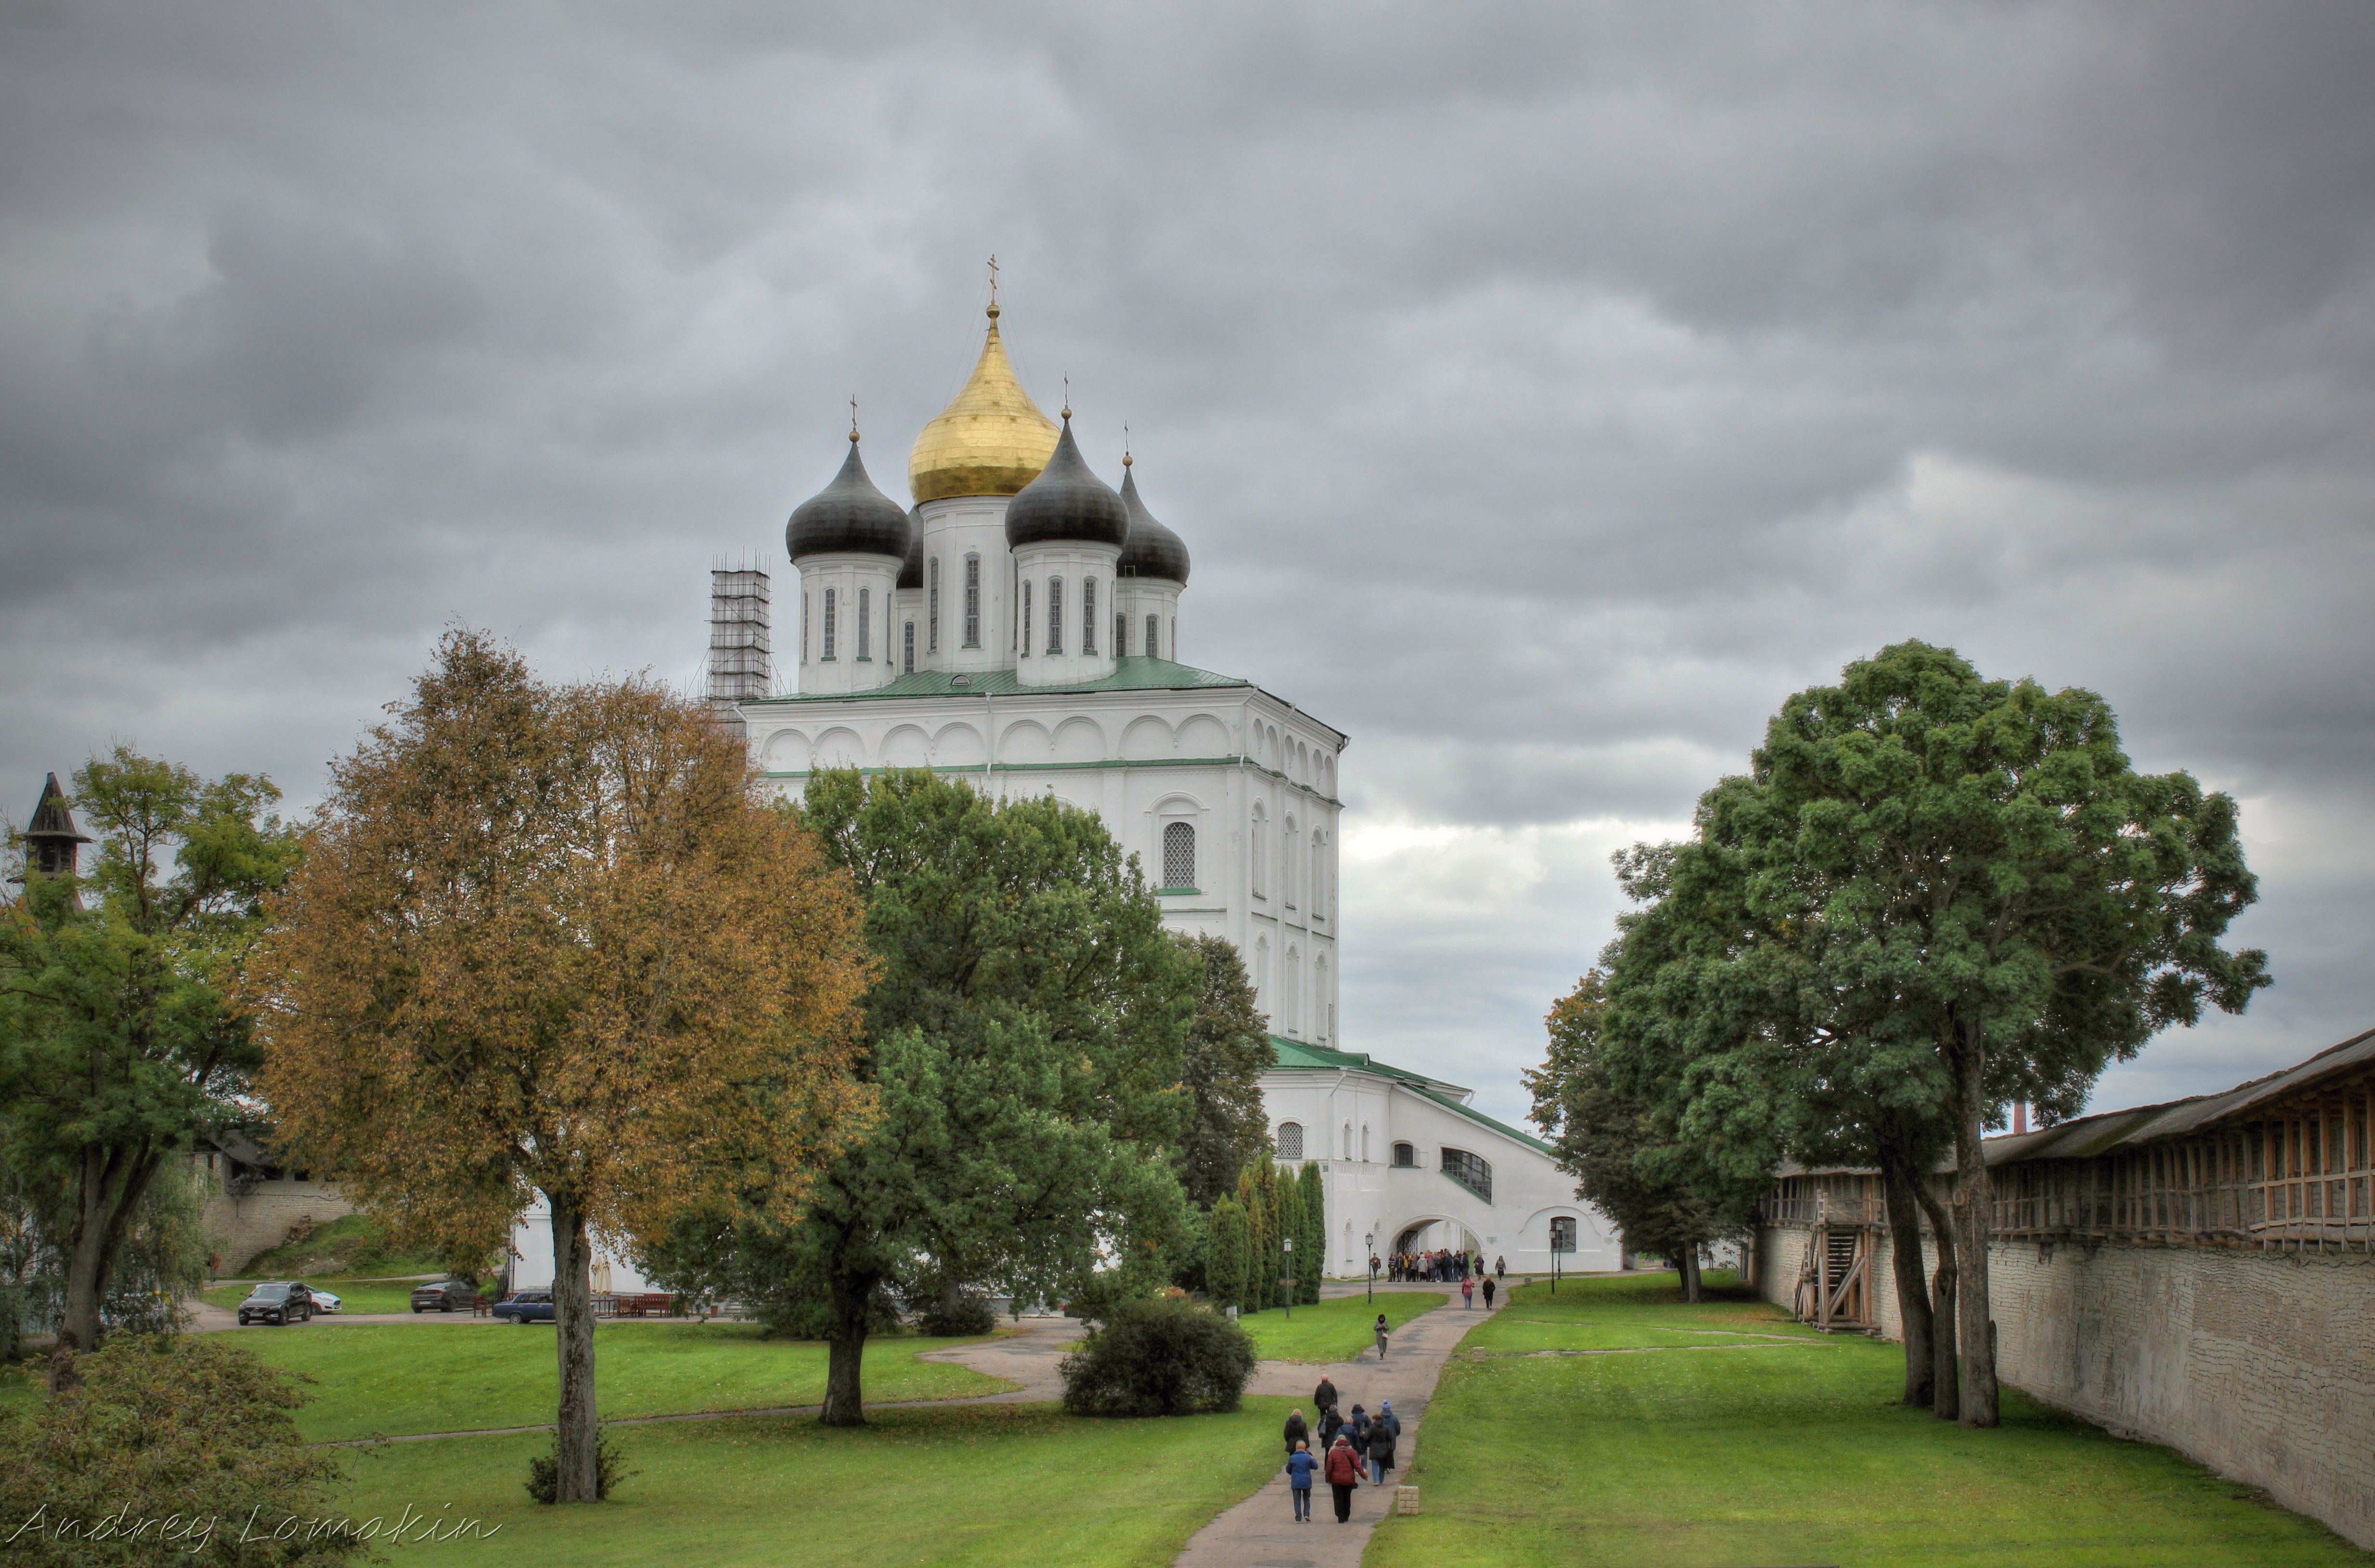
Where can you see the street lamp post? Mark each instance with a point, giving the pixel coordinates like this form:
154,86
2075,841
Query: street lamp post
1369,1243
1286,1275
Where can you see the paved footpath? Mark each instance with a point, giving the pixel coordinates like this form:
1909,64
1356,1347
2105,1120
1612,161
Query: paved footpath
1262,1529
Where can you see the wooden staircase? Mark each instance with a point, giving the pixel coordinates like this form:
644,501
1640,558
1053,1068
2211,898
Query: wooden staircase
1834,1283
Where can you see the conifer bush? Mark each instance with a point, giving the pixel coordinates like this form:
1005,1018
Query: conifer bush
1166,1357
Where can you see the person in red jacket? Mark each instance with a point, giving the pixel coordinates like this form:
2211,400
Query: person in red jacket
1344,1475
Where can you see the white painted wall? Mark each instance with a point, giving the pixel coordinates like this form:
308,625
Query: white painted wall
532,1267
1349,1121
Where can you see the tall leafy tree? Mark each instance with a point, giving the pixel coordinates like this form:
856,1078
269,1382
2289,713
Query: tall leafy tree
547,942
1614,1131
1024,1040
1956,886
1228,1049
119,1045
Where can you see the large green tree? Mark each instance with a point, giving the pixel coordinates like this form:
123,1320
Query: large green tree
1928,879
1228,1049
1024,1039
1615,1135
119,1046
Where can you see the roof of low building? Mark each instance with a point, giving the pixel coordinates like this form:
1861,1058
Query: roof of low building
2110,1132
2088,1136
1295,1053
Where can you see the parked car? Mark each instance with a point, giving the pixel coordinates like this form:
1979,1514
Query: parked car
279,1302
445,1295
526,1306
323,1300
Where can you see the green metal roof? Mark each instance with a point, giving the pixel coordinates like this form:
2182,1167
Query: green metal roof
1136,673
1295,1054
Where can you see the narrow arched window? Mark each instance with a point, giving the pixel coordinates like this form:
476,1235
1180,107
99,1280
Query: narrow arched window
907,650
828,623
1152,623
1365,1143
932,607
1121,635
1055,615
1026,619
807,604
1174,644
1179,855
1290,1140
973,602
865,623
1088,615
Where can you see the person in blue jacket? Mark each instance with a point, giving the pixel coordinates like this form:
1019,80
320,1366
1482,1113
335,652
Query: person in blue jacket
1300,1468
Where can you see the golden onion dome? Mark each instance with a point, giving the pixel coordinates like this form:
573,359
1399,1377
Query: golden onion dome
992,440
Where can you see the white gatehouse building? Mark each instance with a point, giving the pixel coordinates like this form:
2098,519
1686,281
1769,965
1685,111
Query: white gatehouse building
1020,626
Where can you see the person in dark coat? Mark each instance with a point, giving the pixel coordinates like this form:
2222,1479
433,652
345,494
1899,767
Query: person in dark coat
1323,1399
1344,1475
1381,1448
1330,1425
1297,1430
1488,1293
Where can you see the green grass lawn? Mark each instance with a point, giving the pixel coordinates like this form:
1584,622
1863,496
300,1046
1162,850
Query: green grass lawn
1722,1435
389,1378
998,1484
1333,1331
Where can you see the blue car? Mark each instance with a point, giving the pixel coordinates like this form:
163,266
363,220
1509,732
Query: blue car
524,1307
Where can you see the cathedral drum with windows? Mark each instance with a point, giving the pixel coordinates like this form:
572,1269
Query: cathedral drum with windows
1019,628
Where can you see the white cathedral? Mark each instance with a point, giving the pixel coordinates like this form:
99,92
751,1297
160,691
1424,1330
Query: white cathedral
1019,628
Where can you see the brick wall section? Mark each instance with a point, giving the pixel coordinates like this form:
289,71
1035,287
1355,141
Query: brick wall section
2261,1365
239,1227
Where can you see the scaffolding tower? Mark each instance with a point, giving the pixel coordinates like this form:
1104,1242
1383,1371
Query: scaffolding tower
738,663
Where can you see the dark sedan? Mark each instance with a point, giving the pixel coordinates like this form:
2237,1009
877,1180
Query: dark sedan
526,1306
446,1295
277,1302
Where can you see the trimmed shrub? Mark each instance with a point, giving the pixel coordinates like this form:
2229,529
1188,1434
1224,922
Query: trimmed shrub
965,1314
1167,1357
544,1471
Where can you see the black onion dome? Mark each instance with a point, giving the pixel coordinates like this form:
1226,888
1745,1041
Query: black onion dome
1066,502
912,574
849,514
1153,550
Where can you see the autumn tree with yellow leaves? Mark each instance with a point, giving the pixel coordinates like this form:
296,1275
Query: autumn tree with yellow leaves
547,942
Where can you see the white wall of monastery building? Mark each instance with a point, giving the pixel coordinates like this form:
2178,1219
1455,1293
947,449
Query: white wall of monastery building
1381,1134
1223,792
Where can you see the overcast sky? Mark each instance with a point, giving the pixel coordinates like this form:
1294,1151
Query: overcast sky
1545,393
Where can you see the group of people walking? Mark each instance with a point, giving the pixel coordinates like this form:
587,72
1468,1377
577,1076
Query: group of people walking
1441,1267
1344,1451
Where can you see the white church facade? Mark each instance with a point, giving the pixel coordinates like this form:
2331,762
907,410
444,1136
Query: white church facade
1020,626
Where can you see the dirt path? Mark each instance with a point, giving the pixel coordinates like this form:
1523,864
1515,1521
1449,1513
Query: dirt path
1262,1528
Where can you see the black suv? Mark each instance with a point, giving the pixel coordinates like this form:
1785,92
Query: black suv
279,1302
446,1295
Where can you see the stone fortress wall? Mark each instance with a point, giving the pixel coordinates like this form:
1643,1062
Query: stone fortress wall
2200,1274
2259,1364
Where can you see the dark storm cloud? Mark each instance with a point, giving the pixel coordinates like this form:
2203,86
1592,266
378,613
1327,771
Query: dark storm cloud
1545,393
